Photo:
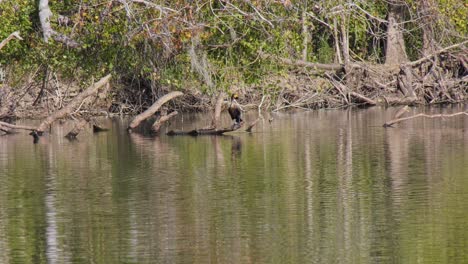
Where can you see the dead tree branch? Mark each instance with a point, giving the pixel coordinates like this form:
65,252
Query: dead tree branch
153,109
11,126
44,16
161,120
430,56
398,120
10,37
73,104
363,98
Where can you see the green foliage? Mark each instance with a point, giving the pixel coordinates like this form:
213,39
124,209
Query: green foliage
149,44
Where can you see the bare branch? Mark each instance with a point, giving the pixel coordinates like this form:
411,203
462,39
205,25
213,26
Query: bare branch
10,37
430,56
398,120
161,120
74,103
153,109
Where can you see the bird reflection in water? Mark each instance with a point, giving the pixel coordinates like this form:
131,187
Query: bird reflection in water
236,147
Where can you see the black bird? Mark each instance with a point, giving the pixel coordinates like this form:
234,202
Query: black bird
235,110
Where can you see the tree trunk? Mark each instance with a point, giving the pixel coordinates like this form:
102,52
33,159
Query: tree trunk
428,17
305,35
217,112
48,31
344,39
337,41
44,17
395,52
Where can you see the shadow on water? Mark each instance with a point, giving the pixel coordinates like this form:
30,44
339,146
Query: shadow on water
311,187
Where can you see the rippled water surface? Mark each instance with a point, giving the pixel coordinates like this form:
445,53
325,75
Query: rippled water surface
311,187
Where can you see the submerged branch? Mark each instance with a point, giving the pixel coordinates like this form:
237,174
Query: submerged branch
398,120
153,109
161,120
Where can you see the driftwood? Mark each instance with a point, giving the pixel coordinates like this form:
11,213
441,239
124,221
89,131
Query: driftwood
153,109
203,132
161,120
398,120
10,37
12,126
93,89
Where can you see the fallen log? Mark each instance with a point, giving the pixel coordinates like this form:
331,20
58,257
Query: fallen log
12,126
161,120
93,89
363,98
398,120
153,109
204,132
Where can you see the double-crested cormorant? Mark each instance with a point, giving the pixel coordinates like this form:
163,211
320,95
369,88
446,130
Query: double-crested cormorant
235,110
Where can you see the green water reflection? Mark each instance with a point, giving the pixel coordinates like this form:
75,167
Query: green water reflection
315,187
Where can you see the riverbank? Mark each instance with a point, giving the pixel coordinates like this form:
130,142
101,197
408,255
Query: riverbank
297,87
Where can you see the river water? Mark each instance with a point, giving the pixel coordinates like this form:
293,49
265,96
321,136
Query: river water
311,187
